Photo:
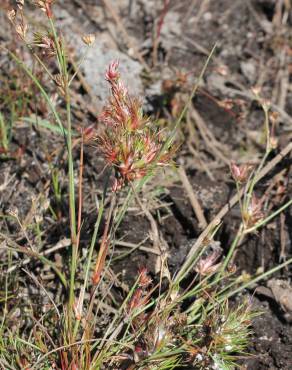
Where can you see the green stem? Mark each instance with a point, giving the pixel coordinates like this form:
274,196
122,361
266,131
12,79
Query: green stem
71,200
63,67
89,259
254,180
239,235
258,278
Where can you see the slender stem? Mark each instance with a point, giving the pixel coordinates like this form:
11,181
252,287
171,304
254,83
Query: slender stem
239,198
80,190
258,278
234,244
77,68
255,178
89,260
63,67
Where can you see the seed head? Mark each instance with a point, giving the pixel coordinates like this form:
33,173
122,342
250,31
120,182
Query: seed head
13,211
45,42
254,212
256,90
21,30
88,39
131,142
144,279
240,173
11,15
20,4
45,6
59,81
208,265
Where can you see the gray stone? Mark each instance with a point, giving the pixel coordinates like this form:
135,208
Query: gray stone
98,57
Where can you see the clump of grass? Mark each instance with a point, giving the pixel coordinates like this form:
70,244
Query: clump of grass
153,328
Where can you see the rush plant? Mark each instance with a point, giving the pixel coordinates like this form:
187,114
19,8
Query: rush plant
188,323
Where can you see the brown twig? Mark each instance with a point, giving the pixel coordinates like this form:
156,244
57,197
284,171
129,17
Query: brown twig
193,199
64,243
158,31
208,137
154,227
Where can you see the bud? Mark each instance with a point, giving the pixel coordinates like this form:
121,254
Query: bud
256,90
20,4
144,280
274,117
21,30
222,70
274,142
38,218
45,42
13,211
266,103
77,310
11,15
206,265
45,6
136,300
59,81
88,39
254,213
112,72
240,173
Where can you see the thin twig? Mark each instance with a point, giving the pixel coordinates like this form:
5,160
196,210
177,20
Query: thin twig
208,136
44,289
136,246
64,243
193,199
158,31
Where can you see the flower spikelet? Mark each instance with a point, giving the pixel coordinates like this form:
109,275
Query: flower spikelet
131,142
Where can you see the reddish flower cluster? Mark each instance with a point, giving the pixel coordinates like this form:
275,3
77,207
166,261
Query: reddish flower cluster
254,212
141,295
207,265
240,173
45,42
130,143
